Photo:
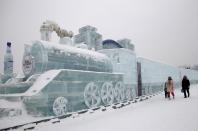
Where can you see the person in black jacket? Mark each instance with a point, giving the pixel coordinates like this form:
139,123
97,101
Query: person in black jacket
165,90
186,86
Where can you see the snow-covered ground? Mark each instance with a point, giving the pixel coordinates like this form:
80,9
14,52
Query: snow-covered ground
154,114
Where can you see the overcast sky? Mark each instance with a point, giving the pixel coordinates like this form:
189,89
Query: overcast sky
162,30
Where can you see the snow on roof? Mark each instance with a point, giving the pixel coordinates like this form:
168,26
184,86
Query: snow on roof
118,50
84,52
156,61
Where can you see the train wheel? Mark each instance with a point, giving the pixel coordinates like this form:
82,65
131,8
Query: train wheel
129,94
107,94
60,106
91,95
119,91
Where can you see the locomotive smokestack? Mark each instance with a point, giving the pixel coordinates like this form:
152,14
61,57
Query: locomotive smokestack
48,27
46,31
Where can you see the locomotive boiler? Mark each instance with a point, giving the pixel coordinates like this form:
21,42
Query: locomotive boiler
44,55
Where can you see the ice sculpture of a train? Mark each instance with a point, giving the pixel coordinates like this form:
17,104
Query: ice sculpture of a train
61,78
87,73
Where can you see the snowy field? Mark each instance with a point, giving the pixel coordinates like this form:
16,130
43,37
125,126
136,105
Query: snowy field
154,114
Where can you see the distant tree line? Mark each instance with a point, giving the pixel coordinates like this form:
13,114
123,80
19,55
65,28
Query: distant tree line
195,67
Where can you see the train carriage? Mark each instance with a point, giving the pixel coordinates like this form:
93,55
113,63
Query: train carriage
153,75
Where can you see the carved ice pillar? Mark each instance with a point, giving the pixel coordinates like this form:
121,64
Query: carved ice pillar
88,35
98,44
8,60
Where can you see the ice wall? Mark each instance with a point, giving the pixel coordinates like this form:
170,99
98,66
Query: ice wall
124,61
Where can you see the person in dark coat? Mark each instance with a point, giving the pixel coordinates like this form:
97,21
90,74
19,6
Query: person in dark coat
185,86
165,91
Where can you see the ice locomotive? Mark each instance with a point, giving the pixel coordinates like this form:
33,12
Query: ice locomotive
61,78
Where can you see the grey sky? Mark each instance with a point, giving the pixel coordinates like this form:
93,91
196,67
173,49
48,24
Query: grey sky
162,30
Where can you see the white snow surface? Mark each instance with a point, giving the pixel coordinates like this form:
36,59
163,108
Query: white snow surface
154,114
9,104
